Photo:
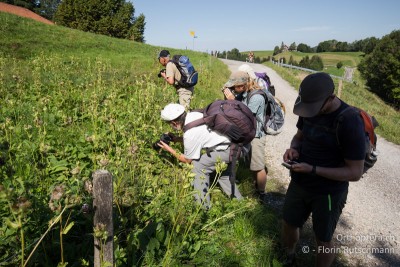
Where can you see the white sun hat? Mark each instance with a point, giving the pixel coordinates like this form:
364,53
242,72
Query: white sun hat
172,111
248,69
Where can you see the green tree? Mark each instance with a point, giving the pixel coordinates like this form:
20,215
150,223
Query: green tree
293,47
316,63
47,8
282,47
327,46
305,62
276,50
381,68
304,48
29,4
137,30
339,65
342,47
109,17
369,45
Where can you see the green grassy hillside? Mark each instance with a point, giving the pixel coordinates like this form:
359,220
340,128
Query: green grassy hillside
74,102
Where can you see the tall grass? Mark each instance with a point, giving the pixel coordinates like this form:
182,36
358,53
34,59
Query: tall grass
74,102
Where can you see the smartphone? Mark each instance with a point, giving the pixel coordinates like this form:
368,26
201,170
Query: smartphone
289,163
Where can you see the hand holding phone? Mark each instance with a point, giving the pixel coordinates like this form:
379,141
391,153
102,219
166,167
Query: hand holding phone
288,164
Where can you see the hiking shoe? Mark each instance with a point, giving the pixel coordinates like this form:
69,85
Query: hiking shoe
264,198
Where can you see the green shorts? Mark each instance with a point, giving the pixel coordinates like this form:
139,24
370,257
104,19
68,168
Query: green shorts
325,210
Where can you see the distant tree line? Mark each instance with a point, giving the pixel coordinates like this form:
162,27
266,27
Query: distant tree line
365,45
235,54
109,17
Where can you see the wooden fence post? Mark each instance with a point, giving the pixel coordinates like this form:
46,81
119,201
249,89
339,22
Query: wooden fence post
103,216
340,88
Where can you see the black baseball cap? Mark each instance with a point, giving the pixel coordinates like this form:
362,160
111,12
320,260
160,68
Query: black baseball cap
313,91
163,53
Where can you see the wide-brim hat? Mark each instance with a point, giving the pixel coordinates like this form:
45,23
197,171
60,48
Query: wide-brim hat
313,92
237,78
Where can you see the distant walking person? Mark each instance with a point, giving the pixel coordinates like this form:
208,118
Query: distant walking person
322,169
173,76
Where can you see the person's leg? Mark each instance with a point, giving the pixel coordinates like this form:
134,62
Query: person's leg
295,213
223,180
185,97
326,210
325,253
201,182
257,164
202,169
226,186
290,237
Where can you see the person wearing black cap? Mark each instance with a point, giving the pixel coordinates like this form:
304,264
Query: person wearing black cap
327,154
172,76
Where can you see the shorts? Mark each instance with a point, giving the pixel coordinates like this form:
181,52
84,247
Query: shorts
325,209
258,157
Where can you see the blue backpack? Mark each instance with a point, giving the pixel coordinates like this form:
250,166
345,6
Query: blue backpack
274,112
189,76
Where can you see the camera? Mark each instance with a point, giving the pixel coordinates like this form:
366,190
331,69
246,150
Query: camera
166,138
159,74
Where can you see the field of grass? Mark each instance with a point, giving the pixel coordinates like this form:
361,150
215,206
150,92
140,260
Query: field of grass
349,59
72,103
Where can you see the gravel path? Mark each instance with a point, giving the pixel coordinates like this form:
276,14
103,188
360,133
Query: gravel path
368,232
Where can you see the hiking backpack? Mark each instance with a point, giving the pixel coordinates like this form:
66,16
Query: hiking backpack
370,123
274,112
264,81
189,76
233,119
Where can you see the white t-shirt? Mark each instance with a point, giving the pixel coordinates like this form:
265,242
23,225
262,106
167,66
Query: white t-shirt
197,138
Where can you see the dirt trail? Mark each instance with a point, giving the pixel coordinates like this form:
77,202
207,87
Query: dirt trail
368,233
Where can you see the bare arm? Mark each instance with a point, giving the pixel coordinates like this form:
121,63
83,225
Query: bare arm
351,171
177,155
170,80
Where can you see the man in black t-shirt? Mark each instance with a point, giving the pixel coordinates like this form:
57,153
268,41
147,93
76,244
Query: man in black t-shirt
323,168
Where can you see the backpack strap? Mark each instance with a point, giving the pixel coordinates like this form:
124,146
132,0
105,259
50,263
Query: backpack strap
338,120
267,112
234,154
194,123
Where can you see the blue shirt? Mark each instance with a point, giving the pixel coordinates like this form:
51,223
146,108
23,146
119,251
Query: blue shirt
257,106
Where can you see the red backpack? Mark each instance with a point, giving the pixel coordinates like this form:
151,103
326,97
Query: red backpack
370,123
233,119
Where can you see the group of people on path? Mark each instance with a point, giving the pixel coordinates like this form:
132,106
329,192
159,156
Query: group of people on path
320,168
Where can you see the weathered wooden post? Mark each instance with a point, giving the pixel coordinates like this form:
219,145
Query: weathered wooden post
103,217
340,88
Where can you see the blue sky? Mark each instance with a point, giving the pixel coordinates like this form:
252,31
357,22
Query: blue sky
263,24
